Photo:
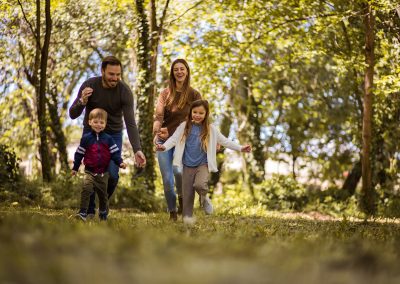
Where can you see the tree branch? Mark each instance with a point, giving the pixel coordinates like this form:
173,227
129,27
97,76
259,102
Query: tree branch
184,13
27,21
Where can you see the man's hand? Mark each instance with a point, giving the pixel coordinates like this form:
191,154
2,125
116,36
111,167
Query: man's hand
140,159
160,147
246,149
122,166
73,173
86,93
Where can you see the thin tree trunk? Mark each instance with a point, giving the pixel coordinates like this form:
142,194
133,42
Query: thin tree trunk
350,184
56,127
145,96
368,203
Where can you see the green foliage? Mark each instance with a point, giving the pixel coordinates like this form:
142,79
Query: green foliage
9,168
134,194
282,193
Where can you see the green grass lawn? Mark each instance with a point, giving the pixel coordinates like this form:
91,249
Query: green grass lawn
47,246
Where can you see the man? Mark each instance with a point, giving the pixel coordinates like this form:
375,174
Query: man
110,93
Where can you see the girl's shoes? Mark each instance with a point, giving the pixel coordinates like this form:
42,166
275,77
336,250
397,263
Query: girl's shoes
206,204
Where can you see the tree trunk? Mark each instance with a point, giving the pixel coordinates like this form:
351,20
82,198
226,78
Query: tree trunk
350,184
367,202
39,82
149,38
56,127
145,96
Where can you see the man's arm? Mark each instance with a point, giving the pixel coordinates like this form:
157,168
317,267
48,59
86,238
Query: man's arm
130,123
77,107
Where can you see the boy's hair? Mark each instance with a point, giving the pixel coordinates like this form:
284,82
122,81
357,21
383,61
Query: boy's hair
98,113
172,98
205,130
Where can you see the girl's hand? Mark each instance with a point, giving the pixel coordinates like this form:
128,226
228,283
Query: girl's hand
163,133
246,149
160,147
122,166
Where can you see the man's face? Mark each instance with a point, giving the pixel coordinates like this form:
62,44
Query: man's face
111,76
97,124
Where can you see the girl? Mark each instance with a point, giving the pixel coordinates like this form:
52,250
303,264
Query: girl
172,109
195,142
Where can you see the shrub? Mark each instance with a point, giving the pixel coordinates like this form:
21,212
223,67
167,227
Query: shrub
9,172
282,193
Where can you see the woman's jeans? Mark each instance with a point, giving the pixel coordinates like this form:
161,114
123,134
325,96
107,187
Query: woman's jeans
171,175
113,170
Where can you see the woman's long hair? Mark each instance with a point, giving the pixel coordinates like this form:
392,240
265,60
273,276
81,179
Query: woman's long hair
205,125
183,97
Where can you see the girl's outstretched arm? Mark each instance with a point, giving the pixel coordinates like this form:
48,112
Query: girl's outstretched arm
175,138
221,139
246,148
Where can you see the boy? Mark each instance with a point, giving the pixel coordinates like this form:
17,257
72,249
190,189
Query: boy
97,149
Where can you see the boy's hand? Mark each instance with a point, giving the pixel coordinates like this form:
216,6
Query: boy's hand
160,147
246,149
73,173
122,166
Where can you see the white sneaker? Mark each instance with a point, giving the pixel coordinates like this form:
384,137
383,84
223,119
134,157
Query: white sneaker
189,221
206,204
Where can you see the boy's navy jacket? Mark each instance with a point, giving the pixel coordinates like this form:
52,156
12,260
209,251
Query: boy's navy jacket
96,150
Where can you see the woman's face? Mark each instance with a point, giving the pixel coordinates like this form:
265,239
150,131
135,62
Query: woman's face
180,72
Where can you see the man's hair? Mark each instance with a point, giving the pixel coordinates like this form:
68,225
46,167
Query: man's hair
110,60
98,113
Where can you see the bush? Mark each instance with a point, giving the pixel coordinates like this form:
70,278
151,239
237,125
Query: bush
282,193
9,168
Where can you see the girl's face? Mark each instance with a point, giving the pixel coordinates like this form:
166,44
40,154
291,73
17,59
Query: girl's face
180,72
198,114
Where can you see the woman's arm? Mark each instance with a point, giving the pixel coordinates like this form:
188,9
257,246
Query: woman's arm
159,111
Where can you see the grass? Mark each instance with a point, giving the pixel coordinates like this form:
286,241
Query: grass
47,246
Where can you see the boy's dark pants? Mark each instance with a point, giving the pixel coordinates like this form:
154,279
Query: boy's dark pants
94,183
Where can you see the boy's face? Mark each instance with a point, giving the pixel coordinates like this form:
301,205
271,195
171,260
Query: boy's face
97,124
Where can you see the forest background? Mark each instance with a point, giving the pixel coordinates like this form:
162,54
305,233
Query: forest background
314,85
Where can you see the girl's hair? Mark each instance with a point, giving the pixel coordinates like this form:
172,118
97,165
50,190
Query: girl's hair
172,98
205,129
98,113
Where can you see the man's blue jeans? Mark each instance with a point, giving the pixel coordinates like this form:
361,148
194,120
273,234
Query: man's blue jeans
171,175
113,170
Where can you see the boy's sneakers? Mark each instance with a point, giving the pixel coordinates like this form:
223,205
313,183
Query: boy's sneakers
103,215
206,204
81,216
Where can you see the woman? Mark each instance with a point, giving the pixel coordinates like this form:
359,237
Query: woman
172,108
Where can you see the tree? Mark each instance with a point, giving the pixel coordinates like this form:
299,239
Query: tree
149,35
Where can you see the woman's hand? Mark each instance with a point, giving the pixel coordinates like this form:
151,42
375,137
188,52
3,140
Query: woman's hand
163,133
